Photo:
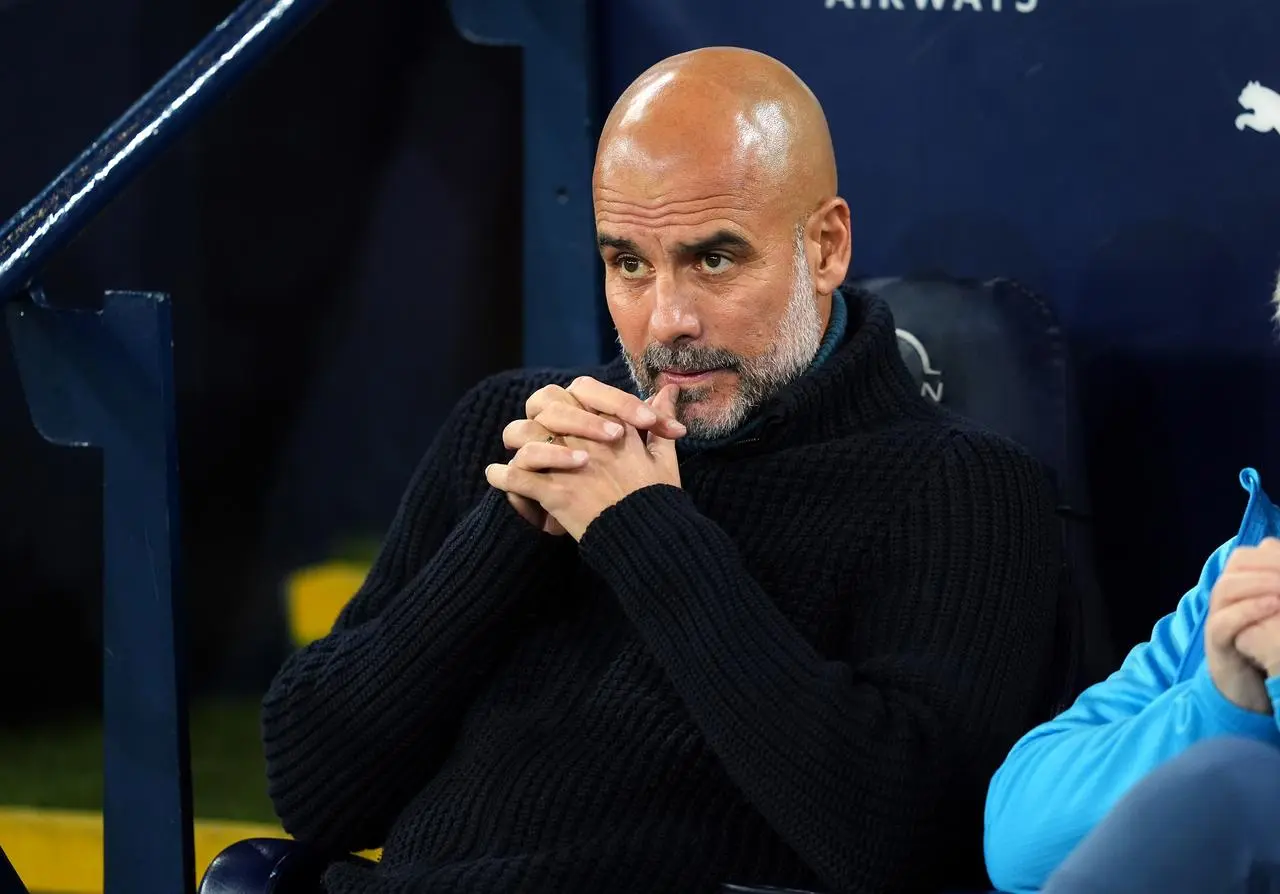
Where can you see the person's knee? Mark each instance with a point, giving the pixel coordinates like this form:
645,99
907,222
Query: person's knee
1219,781
1204,815
1231,762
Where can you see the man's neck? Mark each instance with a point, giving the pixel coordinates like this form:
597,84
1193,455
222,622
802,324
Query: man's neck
837,326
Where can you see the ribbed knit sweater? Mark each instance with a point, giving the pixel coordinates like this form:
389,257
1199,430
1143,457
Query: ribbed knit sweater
800,668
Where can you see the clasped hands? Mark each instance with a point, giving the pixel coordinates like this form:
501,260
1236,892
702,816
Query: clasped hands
1242,634
581,449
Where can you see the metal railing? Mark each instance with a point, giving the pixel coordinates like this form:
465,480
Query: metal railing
175,103
105,378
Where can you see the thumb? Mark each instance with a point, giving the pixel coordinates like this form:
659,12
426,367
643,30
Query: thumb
664,404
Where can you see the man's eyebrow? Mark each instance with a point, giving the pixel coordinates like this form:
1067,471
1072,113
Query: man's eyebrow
724,240
603,240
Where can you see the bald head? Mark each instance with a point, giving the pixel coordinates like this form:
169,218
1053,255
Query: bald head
737,112
721,232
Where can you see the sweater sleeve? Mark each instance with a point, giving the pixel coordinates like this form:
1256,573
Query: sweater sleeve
852,761
357,722
1065,775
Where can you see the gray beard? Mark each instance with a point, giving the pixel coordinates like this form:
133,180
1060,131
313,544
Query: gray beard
798,338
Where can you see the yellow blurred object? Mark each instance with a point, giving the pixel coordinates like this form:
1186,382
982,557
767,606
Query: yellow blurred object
314,596
61,850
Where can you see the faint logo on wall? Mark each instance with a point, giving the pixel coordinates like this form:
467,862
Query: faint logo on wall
1263,106
916,358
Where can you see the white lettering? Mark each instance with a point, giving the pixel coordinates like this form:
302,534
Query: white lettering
1022,6
933,391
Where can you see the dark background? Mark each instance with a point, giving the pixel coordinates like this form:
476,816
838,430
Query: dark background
325,322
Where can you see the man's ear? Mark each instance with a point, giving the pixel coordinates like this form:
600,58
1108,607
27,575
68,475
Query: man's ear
829,230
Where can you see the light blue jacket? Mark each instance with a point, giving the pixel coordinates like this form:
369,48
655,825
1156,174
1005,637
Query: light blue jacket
1063,776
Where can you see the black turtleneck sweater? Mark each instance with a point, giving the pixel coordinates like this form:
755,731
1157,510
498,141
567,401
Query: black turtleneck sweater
799,669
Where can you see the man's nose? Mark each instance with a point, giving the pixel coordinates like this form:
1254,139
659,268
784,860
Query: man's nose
674,316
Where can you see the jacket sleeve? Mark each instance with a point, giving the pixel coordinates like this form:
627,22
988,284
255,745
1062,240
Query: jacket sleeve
1065,775
357,722
852,760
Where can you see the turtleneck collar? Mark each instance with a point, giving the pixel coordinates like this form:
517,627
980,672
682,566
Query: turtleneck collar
837,326
856,381
863,383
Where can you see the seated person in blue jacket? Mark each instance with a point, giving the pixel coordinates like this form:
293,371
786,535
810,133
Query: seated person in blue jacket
1166,776
739,606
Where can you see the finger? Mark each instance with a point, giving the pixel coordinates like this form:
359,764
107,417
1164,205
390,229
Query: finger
521,432
513,480
1237,586
1266,555
545,397
1224,626
540,456
529,510
602,398
564,419
664,402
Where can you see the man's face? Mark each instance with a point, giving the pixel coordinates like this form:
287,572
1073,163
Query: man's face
708,286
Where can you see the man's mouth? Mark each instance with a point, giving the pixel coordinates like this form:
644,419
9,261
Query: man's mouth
685,378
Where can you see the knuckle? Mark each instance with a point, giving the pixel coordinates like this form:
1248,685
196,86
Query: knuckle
1240,555
542,395
552,413
1220,592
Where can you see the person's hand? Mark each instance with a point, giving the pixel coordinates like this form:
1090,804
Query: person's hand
1246,596
593,410
1260,641
1261,645
575,495
553,412
536,451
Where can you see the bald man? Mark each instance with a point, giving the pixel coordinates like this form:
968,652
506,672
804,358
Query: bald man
740,607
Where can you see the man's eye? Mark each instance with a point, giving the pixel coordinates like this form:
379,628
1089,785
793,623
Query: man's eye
630,266
716,264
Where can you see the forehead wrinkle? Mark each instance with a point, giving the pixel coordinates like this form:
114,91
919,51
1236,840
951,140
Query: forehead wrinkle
608,195
643,231
653,216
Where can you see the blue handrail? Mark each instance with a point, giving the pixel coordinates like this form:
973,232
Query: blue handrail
90,182
105,378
